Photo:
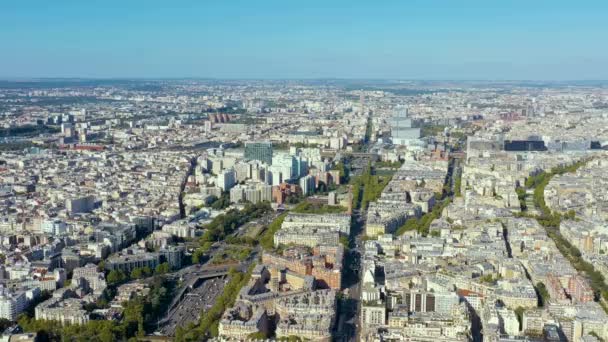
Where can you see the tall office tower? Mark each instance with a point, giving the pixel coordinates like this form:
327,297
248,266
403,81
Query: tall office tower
301,166
307,184
402,131
259,150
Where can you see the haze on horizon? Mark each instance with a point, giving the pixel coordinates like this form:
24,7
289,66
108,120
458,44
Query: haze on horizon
434,39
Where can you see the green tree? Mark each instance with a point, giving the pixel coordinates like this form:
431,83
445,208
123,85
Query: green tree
344,172
570,214
257,336
344,241
222,202
137,273
196,256
106,334
519,312
458,186
163,268
5,323
267,238
543,293
116,277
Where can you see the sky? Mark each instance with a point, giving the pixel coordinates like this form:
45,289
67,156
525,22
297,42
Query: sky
406,39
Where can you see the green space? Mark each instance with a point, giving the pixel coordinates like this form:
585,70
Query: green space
489,279
543,293
254,231
422,224
28,130
458,185
356,192
318,208
225,224
367,187
431,130
387,164
344,241
232,253
267,238
18,146
220,203
117,277
372,188
521,195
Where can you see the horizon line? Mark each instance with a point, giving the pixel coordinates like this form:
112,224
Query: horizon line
396,79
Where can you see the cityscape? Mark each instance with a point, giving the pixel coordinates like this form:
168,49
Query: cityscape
343,209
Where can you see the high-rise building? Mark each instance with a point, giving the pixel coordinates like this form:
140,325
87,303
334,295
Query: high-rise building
243,171
237,193
287,165
53,227
80,205
402,131
226,179
259,150
13,303
301,166
307,183
265,192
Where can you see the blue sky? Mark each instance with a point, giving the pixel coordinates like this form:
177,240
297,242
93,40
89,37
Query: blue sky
407,39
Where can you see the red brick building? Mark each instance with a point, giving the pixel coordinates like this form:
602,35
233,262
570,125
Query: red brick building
555,288
580,290
328,178
325,269
282,191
